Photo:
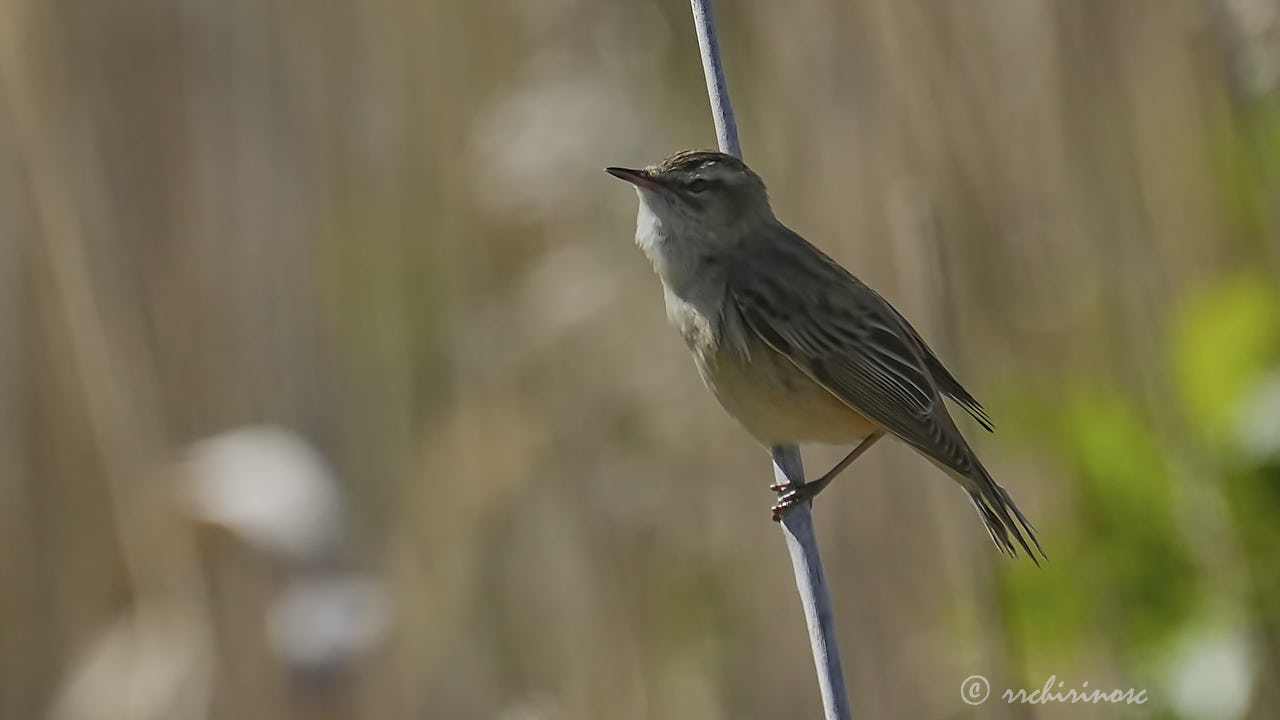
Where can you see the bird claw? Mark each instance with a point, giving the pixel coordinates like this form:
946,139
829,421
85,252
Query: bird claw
791,496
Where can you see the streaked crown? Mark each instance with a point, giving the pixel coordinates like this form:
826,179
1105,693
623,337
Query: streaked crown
688,167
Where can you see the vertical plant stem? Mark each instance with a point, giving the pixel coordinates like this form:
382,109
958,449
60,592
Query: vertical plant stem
704,21
797,524
811,581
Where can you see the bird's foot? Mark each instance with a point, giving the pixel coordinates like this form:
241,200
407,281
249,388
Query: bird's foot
790,496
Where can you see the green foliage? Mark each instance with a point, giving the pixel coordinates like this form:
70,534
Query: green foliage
1253,496
1120,568
1147,583
1227,342
1123,543
1225,338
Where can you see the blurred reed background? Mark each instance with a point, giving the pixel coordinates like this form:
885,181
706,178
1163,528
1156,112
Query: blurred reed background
384,225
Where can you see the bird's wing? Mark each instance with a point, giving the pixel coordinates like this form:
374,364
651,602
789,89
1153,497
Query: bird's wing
946,382
852,342
848,339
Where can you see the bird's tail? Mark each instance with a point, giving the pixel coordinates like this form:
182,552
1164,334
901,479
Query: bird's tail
1004,521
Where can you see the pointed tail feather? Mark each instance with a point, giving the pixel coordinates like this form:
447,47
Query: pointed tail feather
1004,521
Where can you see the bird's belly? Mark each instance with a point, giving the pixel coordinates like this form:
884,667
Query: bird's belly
777,403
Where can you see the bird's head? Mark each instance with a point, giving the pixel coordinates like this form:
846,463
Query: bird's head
700,196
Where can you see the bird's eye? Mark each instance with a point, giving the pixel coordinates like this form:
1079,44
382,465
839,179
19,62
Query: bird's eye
698,186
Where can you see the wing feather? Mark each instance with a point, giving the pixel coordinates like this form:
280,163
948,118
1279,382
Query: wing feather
848,339
855,344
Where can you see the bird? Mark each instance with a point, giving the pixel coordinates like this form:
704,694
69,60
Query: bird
794,346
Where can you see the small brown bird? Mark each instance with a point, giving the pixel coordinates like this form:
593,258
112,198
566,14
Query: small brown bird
791,344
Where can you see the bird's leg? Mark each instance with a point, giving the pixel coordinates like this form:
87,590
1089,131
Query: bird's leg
793,494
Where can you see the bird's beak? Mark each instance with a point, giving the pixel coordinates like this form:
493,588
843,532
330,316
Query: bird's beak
640,178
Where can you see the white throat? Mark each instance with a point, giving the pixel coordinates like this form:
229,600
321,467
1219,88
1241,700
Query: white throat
680,261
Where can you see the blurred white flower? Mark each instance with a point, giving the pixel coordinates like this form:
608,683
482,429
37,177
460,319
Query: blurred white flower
325,620
270,488
1258,421
151,664
1211,678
